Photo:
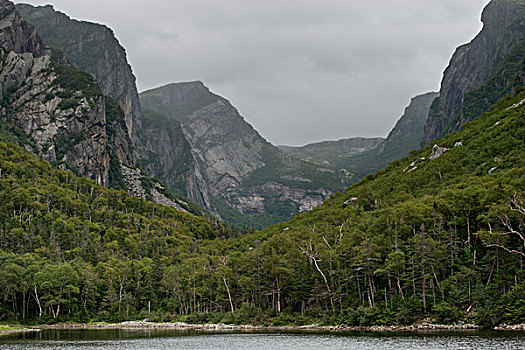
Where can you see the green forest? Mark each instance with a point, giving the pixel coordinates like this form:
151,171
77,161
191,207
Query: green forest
438,236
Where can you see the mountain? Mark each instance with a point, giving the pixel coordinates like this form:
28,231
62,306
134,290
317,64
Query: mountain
352,159
60,113
93,48
206,150
211,176
331,153
407,135
482,71
434,237
58,108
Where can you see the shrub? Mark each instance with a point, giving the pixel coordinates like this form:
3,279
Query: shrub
446,313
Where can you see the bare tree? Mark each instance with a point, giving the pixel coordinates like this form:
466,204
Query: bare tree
511,220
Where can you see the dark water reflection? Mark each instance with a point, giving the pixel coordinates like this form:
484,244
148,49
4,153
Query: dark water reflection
185,340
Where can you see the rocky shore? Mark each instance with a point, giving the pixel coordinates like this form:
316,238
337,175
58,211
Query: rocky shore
506,327
21,330
251,328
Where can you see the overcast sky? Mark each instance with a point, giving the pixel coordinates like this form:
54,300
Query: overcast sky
299,71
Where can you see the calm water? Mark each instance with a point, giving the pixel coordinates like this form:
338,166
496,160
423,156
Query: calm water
170,339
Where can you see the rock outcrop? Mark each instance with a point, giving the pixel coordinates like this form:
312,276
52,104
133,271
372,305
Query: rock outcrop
15,34
94,49
204,148
58,108
473,64
134,179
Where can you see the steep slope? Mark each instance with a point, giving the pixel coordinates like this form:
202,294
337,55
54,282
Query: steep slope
60,109
407,135
222,163
94,49
61,114
474,64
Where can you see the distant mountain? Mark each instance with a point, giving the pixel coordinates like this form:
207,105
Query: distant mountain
198,143
330,153
334,154
482,71
352,159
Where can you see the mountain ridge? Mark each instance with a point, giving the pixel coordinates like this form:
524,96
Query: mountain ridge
229,159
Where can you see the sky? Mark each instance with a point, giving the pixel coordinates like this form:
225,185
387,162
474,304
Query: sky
300,71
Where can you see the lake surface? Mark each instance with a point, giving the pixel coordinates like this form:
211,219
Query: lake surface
184,340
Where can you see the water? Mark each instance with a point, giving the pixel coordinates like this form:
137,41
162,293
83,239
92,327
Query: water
178,340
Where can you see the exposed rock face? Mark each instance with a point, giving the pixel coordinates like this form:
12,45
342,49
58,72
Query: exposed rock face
408,133
227,146
15,34
165,152
472,64
133,178
438,152
60,111
206,149
65,123
93,48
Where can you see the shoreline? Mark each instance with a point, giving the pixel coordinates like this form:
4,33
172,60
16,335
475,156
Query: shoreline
21,330
423,327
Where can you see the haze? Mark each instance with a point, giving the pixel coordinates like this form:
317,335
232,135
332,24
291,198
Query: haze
298,71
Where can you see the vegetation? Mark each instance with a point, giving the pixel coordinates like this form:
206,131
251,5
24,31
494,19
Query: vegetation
435,239
500,83
68,246
72,79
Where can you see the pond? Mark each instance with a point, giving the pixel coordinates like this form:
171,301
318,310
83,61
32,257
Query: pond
153,339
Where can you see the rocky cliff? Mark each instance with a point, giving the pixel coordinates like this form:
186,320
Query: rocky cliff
474,63
205,148
59,109
408,133
59,112
94,49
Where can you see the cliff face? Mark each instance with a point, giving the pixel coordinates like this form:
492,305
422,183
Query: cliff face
408,133
222,163
15,34
472,64
165,152
59,109
94,49
60,112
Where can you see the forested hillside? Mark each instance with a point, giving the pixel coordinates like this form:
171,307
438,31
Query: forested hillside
70,248
437,236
